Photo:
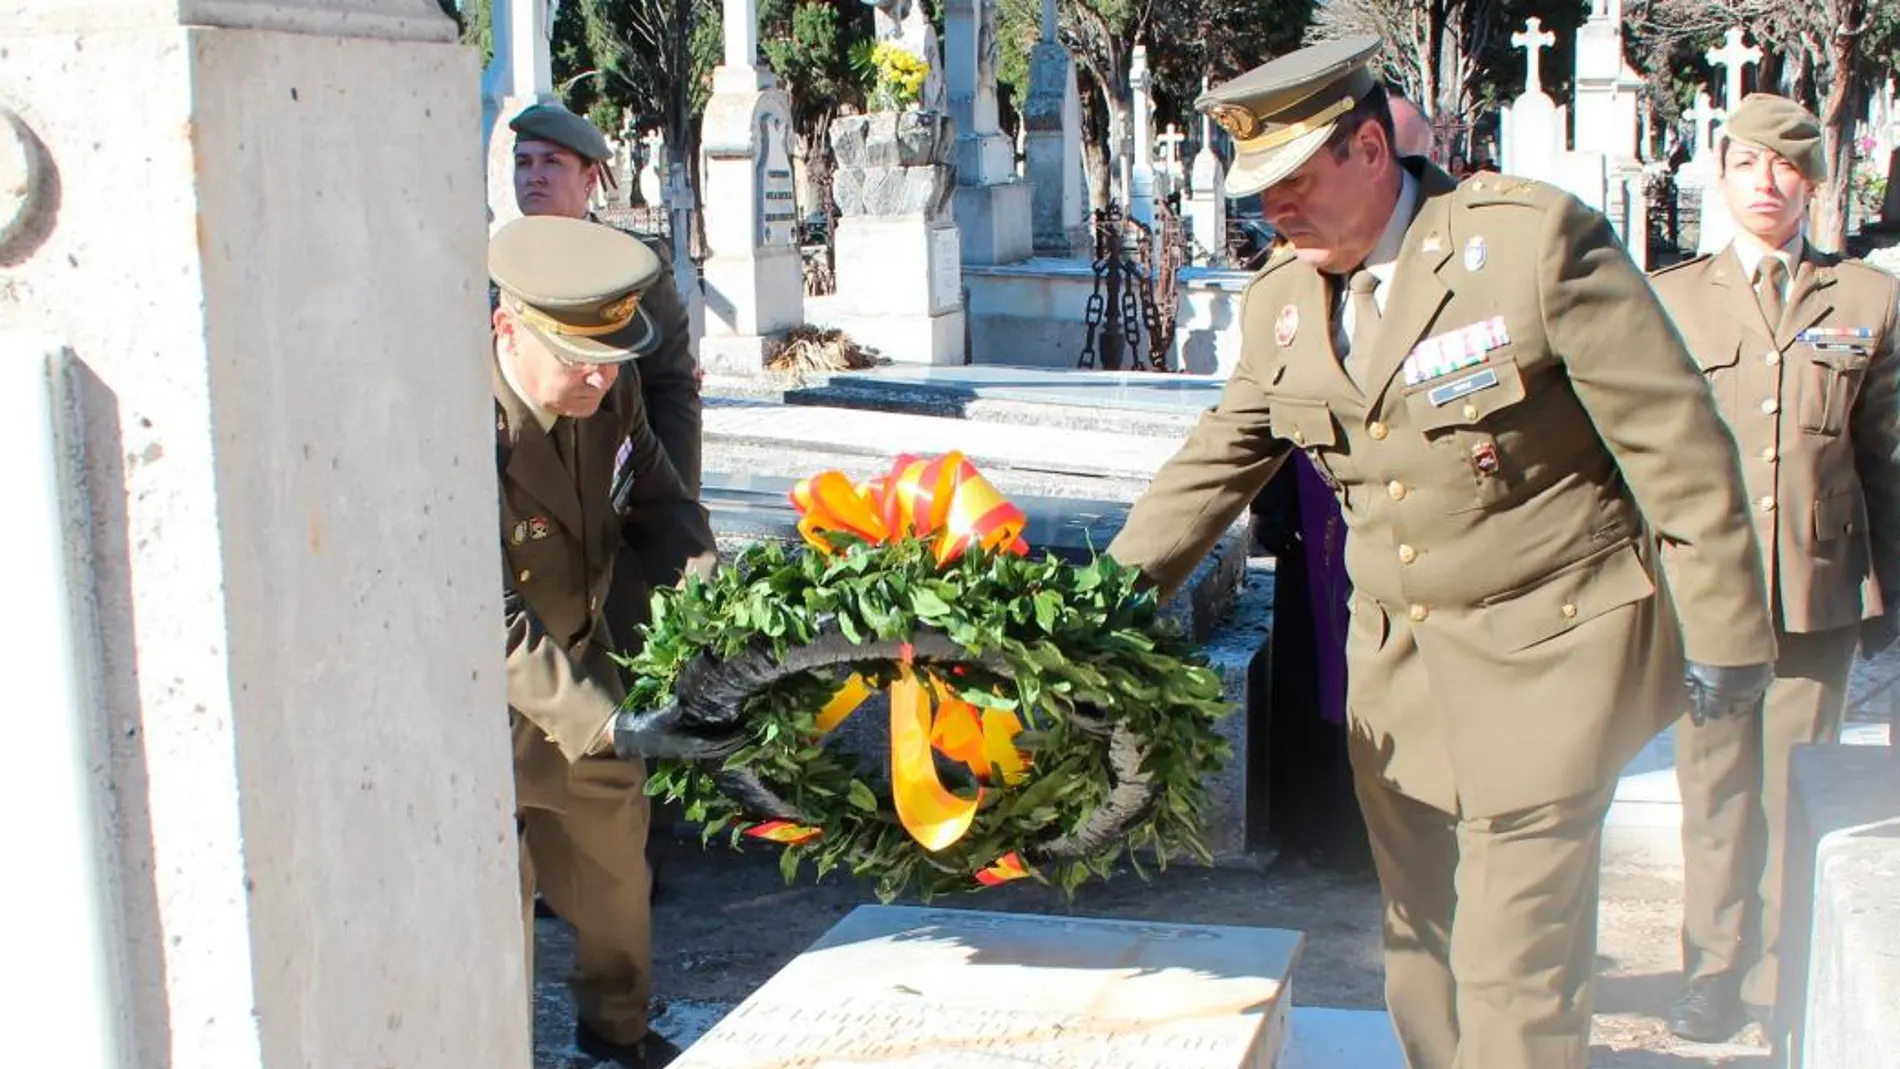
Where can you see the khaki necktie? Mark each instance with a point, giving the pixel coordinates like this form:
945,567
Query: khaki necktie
1770,275
1365,322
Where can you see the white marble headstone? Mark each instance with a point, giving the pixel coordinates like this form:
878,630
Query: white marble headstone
923,988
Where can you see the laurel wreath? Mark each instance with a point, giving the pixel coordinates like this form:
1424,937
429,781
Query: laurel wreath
1076,652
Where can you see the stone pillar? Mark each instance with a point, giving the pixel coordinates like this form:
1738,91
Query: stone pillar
274,308
1141,173
519,75
1052,121
1207,201
993,205
754,277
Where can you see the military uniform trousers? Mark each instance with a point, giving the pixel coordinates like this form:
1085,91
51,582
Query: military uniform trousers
1733,775
583,847
1489,923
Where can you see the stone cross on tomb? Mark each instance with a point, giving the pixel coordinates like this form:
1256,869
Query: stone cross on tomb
1533,41
1170,145
1704,115
1732,57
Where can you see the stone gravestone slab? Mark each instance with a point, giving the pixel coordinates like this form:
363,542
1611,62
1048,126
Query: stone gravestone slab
778,208
946,989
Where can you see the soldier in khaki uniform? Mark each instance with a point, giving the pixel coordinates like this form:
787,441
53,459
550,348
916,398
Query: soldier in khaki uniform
569,316
1802,354
560,159
1510,423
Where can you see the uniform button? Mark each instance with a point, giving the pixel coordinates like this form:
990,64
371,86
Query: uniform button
525,575
1470,412
1407,554
1298,438
1570,611
1768,453
1419,613
1395,490
593,603
1766,504
1770,407
1378,431
1772,357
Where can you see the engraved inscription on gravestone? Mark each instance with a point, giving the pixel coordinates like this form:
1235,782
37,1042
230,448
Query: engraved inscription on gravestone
918,988
778,207
946,273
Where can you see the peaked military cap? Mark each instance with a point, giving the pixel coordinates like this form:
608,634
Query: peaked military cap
1282,111
552,122
1783,127
576,286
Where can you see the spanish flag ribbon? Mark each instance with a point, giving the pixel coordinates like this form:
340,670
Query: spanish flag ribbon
945,500
949,502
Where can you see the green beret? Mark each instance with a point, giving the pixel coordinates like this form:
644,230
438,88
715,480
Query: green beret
1282,111
554,123
576,285
1783,127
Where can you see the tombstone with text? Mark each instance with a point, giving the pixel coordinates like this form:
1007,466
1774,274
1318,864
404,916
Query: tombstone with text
1052,146
897,249
754,276
927,988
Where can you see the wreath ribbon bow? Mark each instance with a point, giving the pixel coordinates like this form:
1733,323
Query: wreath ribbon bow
949,502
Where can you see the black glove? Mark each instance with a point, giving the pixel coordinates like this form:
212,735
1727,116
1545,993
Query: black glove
666,733
1878,635
1718,690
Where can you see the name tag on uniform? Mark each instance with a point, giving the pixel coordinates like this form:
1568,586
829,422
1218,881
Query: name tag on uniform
1455,350
1465,387
1838,339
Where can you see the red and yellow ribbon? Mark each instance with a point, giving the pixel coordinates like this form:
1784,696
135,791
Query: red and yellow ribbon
946,500
949,502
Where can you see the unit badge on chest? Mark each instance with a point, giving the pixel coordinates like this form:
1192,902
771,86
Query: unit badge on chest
519,534
1285,327
538,527
1475,253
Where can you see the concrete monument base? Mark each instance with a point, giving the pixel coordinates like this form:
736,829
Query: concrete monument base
904,338
900,288
996,222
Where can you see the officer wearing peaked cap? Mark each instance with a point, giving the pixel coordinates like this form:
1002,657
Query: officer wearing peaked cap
1510,423
560,159
569,322
1801,351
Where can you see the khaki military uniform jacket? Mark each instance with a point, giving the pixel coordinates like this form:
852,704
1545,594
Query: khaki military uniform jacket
560,534
1532,421
1815,409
